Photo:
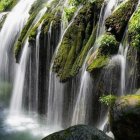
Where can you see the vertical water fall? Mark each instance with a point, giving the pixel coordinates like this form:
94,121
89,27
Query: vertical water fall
82,103
56,89
16,101
9,33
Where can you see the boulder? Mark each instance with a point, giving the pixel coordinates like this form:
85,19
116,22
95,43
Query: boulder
125,118
79,132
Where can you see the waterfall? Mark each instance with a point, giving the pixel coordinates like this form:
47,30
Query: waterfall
106,10
16,101
56,89
82,105
120,58
9,33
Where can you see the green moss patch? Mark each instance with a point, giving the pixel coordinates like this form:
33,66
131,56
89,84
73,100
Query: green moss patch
77,37
134,30
6,5
108,45
98,64
117,22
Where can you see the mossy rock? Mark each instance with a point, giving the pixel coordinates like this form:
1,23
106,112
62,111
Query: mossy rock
74,41
134,30
30,29
117,22
125,117
108,46
7,5
98,64
79,132
23,35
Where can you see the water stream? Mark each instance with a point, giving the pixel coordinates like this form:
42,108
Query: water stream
79,113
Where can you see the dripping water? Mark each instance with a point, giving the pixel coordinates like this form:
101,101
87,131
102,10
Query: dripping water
85,87
56,89
16,101
9,33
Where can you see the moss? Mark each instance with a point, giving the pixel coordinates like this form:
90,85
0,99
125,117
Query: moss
134,30
22,37
123,115
6,5
108,100
108,45
81,58
117,22
98,64
75,40
29,29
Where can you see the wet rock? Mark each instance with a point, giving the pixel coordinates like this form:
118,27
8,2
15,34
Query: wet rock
125,118
79,132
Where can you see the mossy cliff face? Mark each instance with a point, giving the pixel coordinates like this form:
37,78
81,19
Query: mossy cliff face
26,30
30,29
108,46
134,30
117,22
6,5
125,117
75,39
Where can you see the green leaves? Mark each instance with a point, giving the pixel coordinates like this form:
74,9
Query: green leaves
108,100
6,4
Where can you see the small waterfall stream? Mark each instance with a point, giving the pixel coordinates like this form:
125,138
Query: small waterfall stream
16,101
81,105
9,33
56,89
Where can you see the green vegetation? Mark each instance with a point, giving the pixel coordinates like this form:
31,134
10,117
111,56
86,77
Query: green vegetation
117,22
23,36
108,100
6,5
81,58
134,30
108,45
76,42
98,63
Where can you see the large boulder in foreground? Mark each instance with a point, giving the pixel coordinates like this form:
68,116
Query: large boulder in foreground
79,132
125,118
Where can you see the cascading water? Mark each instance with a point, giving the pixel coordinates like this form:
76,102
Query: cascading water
36,59
85,80
16,102
121,60
56,89
13,25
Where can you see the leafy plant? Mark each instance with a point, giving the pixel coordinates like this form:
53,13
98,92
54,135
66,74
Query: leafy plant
6,4
76,2
108,100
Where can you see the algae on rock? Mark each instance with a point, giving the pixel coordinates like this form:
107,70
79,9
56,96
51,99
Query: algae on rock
108,46
77,37
117,22
6,5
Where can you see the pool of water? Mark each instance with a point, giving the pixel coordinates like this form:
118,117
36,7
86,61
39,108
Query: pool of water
23,127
